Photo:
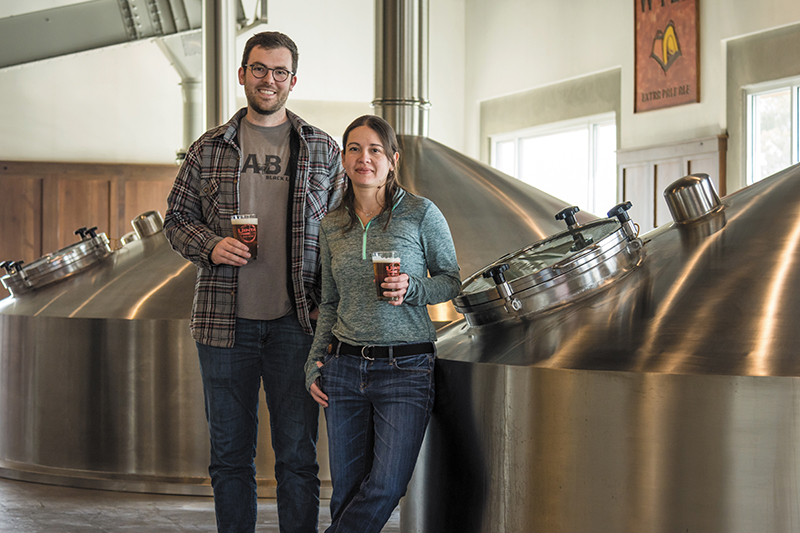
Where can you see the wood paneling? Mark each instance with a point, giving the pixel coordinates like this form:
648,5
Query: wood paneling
645,173
20,219
143,196
665,172
42,204
81,204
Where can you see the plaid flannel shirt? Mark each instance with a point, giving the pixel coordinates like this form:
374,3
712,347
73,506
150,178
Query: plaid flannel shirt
205,195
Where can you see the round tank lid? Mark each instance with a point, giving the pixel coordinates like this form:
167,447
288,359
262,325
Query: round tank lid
59,265
148,224
691,197
549,272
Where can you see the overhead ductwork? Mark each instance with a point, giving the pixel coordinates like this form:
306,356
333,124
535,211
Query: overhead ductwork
61,30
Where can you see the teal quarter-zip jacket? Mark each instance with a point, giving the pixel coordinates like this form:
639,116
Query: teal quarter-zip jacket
349,308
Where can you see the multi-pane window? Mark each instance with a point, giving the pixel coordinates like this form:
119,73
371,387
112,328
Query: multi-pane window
574,161
772,129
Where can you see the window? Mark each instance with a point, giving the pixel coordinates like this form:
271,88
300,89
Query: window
574,161
772,128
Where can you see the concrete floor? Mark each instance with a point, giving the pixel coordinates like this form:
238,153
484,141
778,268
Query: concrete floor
33,508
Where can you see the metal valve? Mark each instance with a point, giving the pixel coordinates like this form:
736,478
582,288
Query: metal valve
621,212
505,290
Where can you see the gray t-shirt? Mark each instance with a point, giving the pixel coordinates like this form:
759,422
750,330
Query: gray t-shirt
263,292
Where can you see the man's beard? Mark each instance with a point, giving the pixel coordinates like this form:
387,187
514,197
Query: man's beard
253,102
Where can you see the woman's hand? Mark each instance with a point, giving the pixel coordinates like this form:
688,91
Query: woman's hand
316,391
396,287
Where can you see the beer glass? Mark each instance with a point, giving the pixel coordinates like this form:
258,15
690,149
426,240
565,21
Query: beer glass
245,230
385,264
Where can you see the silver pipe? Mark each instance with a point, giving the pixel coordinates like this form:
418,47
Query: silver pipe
401,65
219,41
192,91
184,54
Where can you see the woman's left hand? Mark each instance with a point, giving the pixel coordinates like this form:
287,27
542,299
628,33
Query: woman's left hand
396,287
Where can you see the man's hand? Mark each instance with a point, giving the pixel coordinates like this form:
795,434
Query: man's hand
229,251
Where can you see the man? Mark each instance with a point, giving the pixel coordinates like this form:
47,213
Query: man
252,319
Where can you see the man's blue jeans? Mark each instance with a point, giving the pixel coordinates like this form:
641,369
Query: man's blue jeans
272,351
376,416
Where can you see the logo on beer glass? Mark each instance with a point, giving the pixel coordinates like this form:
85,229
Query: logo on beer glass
245,230
247,233
385,264
392,269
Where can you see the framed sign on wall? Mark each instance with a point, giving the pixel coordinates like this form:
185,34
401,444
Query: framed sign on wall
667,59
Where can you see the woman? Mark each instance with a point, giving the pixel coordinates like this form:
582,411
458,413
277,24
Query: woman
371,363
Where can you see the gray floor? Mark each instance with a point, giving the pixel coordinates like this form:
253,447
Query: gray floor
33,507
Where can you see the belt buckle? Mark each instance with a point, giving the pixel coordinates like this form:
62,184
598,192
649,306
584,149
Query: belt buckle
364,355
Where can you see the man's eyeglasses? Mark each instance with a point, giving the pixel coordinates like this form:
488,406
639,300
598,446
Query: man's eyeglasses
278,74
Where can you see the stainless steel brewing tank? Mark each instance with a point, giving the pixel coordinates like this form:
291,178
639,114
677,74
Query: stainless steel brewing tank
99,380
663,395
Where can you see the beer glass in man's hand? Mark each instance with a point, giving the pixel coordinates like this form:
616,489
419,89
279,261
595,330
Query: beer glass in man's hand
385,264
245,230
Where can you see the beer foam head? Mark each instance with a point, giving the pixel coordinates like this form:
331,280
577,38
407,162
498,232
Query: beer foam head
251,220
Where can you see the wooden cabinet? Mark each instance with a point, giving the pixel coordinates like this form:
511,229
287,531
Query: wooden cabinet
643,174
42,204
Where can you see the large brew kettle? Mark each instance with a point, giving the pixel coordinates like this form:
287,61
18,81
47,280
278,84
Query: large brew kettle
657,389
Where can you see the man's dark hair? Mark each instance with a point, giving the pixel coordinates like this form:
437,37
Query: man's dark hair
270,40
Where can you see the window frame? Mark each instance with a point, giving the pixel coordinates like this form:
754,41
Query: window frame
751,92
589,123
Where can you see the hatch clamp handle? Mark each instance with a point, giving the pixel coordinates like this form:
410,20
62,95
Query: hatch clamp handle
505,290
12,267
83,232
568,216
621,212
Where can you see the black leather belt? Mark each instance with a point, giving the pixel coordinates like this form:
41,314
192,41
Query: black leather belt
382,352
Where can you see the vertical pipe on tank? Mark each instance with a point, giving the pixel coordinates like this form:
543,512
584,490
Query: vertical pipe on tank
219,59
401,65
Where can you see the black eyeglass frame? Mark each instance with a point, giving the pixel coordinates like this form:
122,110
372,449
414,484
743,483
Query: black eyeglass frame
267,69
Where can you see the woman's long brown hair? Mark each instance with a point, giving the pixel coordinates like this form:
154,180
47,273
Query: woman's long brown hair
390,147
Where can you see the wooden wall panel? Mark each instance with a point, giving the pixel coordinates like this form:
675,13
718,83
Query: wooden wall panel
20,218
708,164
20,221
143,196
644,174
81,203
636,188
666,172
51,200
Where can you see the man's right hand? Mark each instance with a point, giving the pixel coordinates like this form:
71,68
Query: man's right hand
229,251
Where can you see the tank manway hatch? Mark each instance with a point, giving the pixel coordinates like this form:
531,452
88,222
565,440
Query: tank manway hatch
553,271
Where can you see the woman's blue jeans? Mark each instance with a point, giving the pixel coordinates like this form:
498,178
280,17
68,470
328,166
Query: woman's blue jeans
272,352
376,417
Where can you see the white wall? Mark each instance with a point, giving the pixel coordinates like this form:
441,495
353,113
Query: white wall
534,43
447,64
124,103
116,104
